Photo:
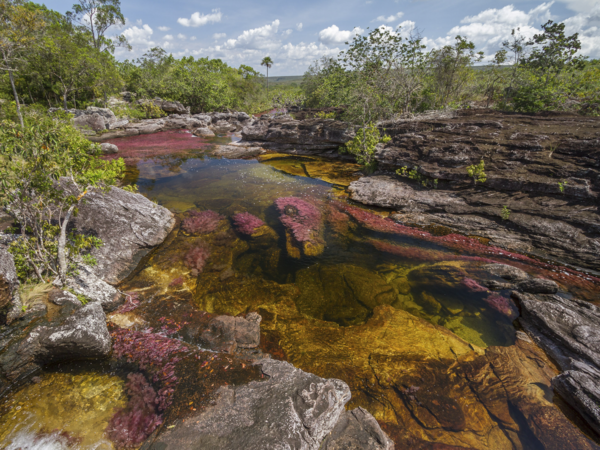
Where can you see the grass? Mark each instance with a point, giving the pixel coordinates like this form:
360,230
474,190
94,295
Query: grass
32,294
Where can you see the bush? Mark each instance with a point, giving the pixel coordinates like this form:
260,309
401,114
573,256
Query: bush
47,169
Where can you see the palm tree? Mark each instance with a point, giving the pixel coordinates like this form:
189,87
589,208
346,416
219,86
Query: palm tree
268,62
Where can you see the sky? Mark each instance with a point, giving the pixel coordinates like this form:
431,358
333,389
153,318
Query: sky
295,34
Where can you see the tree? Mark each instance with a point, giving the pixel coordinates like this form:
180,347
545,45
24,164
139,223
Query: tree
19,27
48,168
98,16
267,62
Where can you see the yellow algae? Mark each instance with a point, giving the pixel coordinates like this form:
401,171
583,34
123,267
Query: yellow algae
78,406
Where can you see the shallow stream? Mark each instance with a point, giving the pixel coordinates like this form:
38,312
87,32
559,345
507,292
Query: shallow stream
340,310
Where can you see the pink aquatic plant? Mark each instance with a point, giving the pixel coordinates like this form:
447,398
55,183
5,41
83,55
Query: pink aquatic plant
196,258
246,223
200,222
156,144
130,426
300,217
473,285
501,304
176,282
154,353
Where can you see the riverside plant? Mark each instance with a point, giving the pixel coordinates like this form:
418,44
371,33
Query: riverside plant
301,218
201,222
494,300
246,223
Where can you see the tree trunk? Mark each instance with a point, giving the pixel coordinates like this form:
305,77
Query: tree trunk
62,243
267,80
65,99
12,83
105,99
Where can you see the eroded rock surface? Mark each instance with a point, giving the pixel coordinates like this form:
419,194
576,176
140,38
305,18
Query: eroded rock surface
9,285
562,228
129,224
290,409
357,430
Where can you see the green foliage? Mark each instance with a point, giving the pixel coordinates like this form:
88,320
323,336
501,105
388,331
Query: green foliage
414,175
325,115
363,145
505,213
48,168
561,186
477,172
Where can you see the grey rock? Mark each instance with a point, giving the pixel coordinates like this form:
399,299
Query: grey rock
129,225
60,297
94,122
109,148
507,272
9,288
86,283
538,286
237,151
83,335
118,124
204,131
247,330
171,107
580,388
566,329
291,409
357,430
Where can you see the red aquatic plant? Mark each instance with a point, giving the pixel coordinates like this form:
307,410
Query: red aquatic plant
246,223
200,222
154,353
196,257
301,218
176,282
156,144
130,426
473,285
501,304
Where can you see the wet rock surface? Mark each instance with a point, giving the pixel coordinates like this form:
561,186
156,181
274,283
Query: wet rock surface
129,225
357,430
237,151
568,331
290,409
556,227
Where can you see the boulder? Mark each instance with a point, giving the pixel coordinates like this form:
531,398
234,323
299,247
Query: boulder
237,151
507,272
94,122
291,409
204,131
118,124
171,107
129,225
538,286
357,430
95,290
83,335
109,148
9,285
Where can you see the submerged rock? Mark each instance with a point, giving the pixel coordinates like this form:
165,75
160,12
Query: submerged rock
357,430
303,224
128,224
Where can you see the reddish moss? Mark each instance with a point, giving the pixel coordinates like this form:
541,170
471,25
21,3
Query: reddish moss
246,223
201,222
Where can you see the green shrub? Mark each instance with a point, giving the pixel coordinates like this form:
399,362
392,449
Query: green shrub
477,172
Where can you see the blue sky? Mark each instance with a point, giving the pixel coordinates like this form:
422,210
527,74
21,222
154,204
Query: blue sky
295,34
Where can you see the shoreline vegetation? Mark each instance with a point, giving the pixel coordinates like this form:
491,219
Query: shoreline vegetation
59,71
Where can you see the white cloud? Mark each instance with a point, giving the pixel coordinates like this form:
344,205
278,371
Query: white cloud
333,35
218,36
168,37
288,32
139,36
263,38
581,6
388,19
164,28
193,38
198,20
138,22
299,26
181,36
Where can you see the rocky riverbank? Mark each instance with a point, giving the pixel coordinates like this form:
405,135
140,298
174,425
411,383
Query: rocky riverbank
543,175
241,397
